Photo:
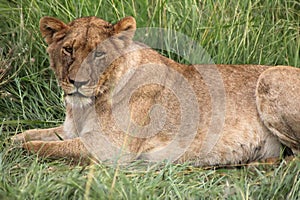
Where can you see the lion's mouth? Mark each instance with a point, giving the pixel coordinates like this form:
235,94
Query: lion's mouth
77,94
77,99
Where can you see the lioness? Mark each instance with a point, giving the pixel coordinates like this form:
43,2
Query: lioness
124,101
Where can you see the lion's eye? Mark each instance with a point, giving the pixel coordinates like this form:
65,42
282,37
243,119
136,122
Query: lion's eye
68,50
99,54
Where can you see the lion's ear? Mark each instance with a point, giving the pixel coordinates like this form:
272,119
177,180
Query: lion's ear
49,26
125,28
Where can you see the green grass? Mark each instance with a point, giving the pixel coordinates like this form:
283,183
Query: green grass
232,32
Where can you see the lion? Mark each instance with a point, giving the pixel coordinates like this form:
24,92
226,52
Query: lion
126,102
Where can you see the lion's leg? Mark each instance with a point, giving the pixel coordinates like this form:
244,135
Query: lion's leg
72,149
278,103
51,134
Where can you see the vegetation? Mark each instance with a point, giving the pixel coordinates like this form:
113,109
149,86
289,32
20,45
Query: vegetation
231,31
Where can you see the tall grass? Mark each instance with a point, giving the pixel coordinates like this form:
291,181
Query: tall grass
231,31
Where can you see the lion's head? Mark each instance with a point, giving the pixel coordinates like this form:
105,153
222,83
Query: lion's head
82,51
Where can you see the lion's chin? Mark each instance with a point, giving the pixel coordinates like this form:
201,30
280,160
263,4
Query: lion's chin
78,101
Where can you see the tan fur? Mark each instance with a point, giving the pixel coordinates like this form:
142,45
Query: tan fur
258,110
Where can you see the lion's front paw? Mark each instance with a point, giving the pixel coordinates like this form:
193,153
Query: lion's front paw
25,136
20,138
39,147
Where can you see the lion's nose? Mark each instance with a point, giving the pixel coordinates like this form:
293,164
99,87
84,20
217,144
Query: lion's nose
78,84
